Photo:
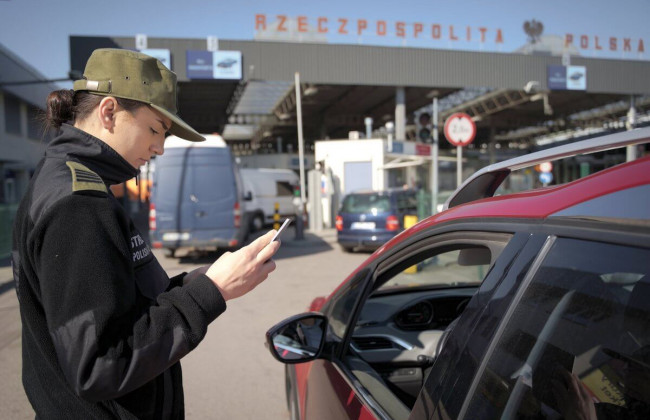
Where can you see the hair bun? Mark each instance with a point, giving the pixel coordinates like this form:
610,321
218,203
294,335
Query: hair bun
59,107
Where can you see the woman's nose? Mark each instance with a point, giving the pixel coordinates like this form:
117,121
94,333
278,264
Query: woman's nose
157,149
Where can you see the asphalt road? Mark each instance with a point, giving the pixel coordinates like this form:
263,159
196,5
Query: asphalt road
231,374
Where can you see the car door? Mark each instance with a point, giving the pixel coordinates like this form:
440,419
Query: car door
567,327
348,384
454,369
321,388
576,340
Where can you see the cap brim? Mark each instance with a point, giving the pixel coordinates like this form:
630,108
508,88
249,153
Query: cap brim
179,127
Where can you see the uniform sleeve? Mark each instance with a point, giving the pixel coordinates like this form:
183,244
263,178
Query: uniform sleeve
107,342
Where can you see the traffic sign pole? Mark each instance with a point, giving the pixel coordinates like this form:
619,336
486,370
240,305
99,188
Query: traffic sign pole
434,160
459,166
460,131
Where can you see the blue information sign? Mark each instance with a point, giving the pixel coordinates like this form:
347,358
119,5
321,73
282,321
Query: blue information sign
214,65
199,64
557,77
567,78
546,177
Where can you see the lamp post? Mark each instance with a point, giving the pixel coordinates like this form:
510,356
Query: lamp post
301,157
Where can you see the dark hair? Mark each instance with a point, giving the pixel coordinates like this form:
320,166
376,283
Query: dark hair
66,105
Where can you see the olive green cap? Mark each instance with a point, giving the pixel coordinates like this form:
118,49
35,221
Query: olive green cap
133,75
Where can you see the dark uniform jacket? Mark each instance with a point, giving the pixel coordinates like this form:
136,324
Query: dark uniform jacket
103,326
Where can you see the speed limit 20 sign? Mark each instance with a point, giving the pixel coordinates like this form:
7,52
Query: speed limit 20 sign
460,130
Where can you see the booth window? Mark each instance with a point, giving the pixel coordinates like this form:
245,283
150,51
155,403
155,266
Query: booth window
13,121
33,127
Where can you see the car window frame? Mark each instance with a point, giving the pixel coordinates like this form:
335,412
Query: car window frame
626,234
521,288
614,238
514,260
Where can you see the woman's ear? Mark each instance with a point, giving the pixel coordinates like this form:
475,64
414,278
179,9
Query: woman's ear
106,112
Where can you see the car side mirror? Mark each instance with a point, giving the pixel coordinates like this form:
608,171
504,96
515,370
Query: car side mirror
298,339
248,196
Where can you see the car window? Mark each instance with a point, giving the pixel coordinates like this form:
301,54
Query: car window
342,305
366,203
284,188
399,327
452,268
407,203
579,337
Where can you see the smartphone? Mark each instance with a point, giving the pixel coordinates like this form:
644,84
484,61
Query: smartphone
286,223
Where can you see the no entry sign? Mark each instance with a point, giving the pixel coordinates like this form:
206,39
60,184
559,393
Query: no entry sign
460,130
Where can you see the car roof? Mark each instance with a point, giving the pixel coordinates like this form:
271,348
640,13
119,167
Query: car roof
546,202
621,192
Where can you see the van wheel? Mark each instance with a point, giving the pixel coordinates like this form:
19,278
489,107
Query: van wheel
257,223
170,252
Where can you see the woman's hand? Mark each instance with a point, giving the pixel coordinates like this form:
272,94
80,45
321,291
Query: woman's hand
572,398
237,273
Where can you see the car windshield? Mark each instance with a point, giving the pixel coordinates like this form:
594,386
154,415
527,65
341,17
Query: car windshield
366,203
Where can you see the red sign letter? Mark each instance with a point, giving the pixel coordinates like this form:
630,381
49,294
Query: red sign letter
499,39
321,22
598,47
626,44
381,27
584,41
417,29
362,24
469,33
281,27
612,44
435,31
451,33
342,29
641,47
302,23
482,30
568,40
260,22
399,29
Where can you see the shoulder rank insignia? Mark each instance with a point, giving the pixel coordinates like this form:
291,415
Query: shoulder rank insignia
83,179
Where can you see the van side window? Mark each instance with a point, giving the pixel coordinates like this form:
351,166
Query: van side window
284,188
579,337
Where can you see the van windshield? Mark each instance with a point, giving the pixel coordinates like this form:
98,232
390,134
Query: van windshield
366,203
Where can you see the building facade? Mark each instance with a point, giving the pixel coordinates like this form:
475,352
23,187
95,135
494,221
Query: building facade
23,139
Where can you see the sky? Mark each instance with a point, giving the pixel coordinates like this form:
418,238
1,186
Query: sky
38,30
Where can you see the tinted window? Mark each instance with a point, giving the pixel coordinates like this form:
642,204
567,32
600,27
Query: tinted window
366,203
579,337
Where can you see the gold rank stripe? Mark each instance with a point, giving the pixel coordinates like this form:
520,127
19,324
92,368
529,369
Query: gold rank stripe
83,179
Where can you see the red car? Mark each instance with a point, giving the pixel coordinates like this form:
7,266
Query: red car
532,305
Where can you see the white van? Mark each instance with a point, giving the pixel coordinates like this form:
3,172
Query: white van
265,187
197,197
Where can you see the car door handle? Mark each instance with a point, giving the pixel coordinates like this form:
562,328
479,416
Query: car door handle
200,213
